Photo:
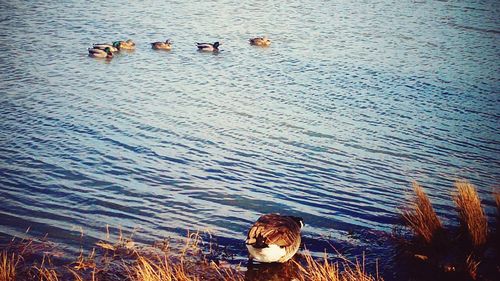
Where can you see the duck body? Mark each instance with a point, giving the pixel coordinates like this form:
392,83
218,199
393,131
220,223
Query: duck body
274,238
167,45
208,47
125,45
98,53
102,46
260,41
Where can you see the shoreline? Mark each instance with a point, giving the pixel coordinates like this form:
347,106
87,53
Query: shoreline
423,247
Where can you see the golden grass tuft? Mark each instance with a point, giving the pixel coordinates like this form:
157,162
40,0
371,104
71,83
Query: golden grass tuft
325,270
161,270
421,217
189,265
8,266
471,214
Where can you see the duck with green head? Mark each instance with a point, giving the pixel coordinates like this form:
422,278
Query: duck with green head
125,45
98,53
113,47
208,47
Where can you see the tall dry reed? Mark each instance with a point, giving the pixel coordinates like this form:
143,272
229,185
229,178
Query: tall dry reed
471,214
190,264
421,217
325,270
8,266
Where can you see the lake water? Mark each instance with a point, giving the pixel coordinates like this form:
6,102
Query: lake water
352,101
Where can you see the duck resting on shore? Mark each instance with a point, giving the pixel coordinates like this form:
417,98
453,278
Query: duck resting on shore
260,41
274,238
98,53
167,45
207,47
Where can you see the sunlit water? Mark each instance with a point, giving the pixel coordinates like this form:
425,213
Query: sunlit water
353,100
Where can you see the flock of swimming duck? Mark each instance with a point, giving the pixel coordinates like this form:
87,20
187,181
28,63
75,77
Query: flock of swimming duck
106,50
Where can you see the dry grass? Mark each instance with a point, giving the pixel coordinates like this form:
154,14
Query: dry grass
325,270
163,269
472,267
471,214
8,266
166,270
190,264
45,272
421,217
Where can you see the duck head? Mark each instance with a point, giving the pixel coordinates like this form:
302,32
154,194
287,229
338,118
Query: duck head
108,52
298,220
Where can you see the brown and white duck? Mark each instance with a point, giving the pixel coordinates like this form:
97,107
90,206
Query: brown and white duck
274,238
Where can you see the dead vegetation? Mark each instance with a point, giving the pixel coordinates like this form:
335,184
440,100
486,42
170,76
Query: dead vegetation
471,215
326,270
188,260
421,217
467,251
8,266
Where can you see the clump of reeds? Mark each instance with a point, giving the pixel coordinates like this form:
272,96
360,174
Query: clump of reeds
471,214
325,270
318,270
192,261
45,271
8,266
160,270
190,264
421,217
476,259
164,269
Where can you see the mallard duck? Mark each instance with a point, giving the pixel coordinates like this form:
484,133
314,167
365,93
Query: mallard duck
207,47
98,53
260,41
274,238
112,47
125,45
167,45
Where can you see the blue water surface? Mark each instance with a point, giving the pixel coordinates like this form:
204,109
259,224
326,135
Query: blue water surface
352,101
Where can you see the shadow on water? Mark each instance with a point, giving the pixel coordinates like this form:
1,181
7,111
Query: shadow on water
272,272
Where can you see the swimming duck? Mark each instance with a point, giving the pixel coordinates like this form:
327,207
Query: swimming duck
98,53
207,47
125,45
274,238
260,41
112,47
167,45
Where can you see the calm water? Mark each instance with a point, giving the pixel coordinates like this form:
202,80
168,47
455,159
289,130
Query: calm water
332,122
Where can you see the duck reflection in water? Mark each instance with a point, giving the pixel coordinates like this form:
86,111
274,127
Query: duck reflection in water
287,271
